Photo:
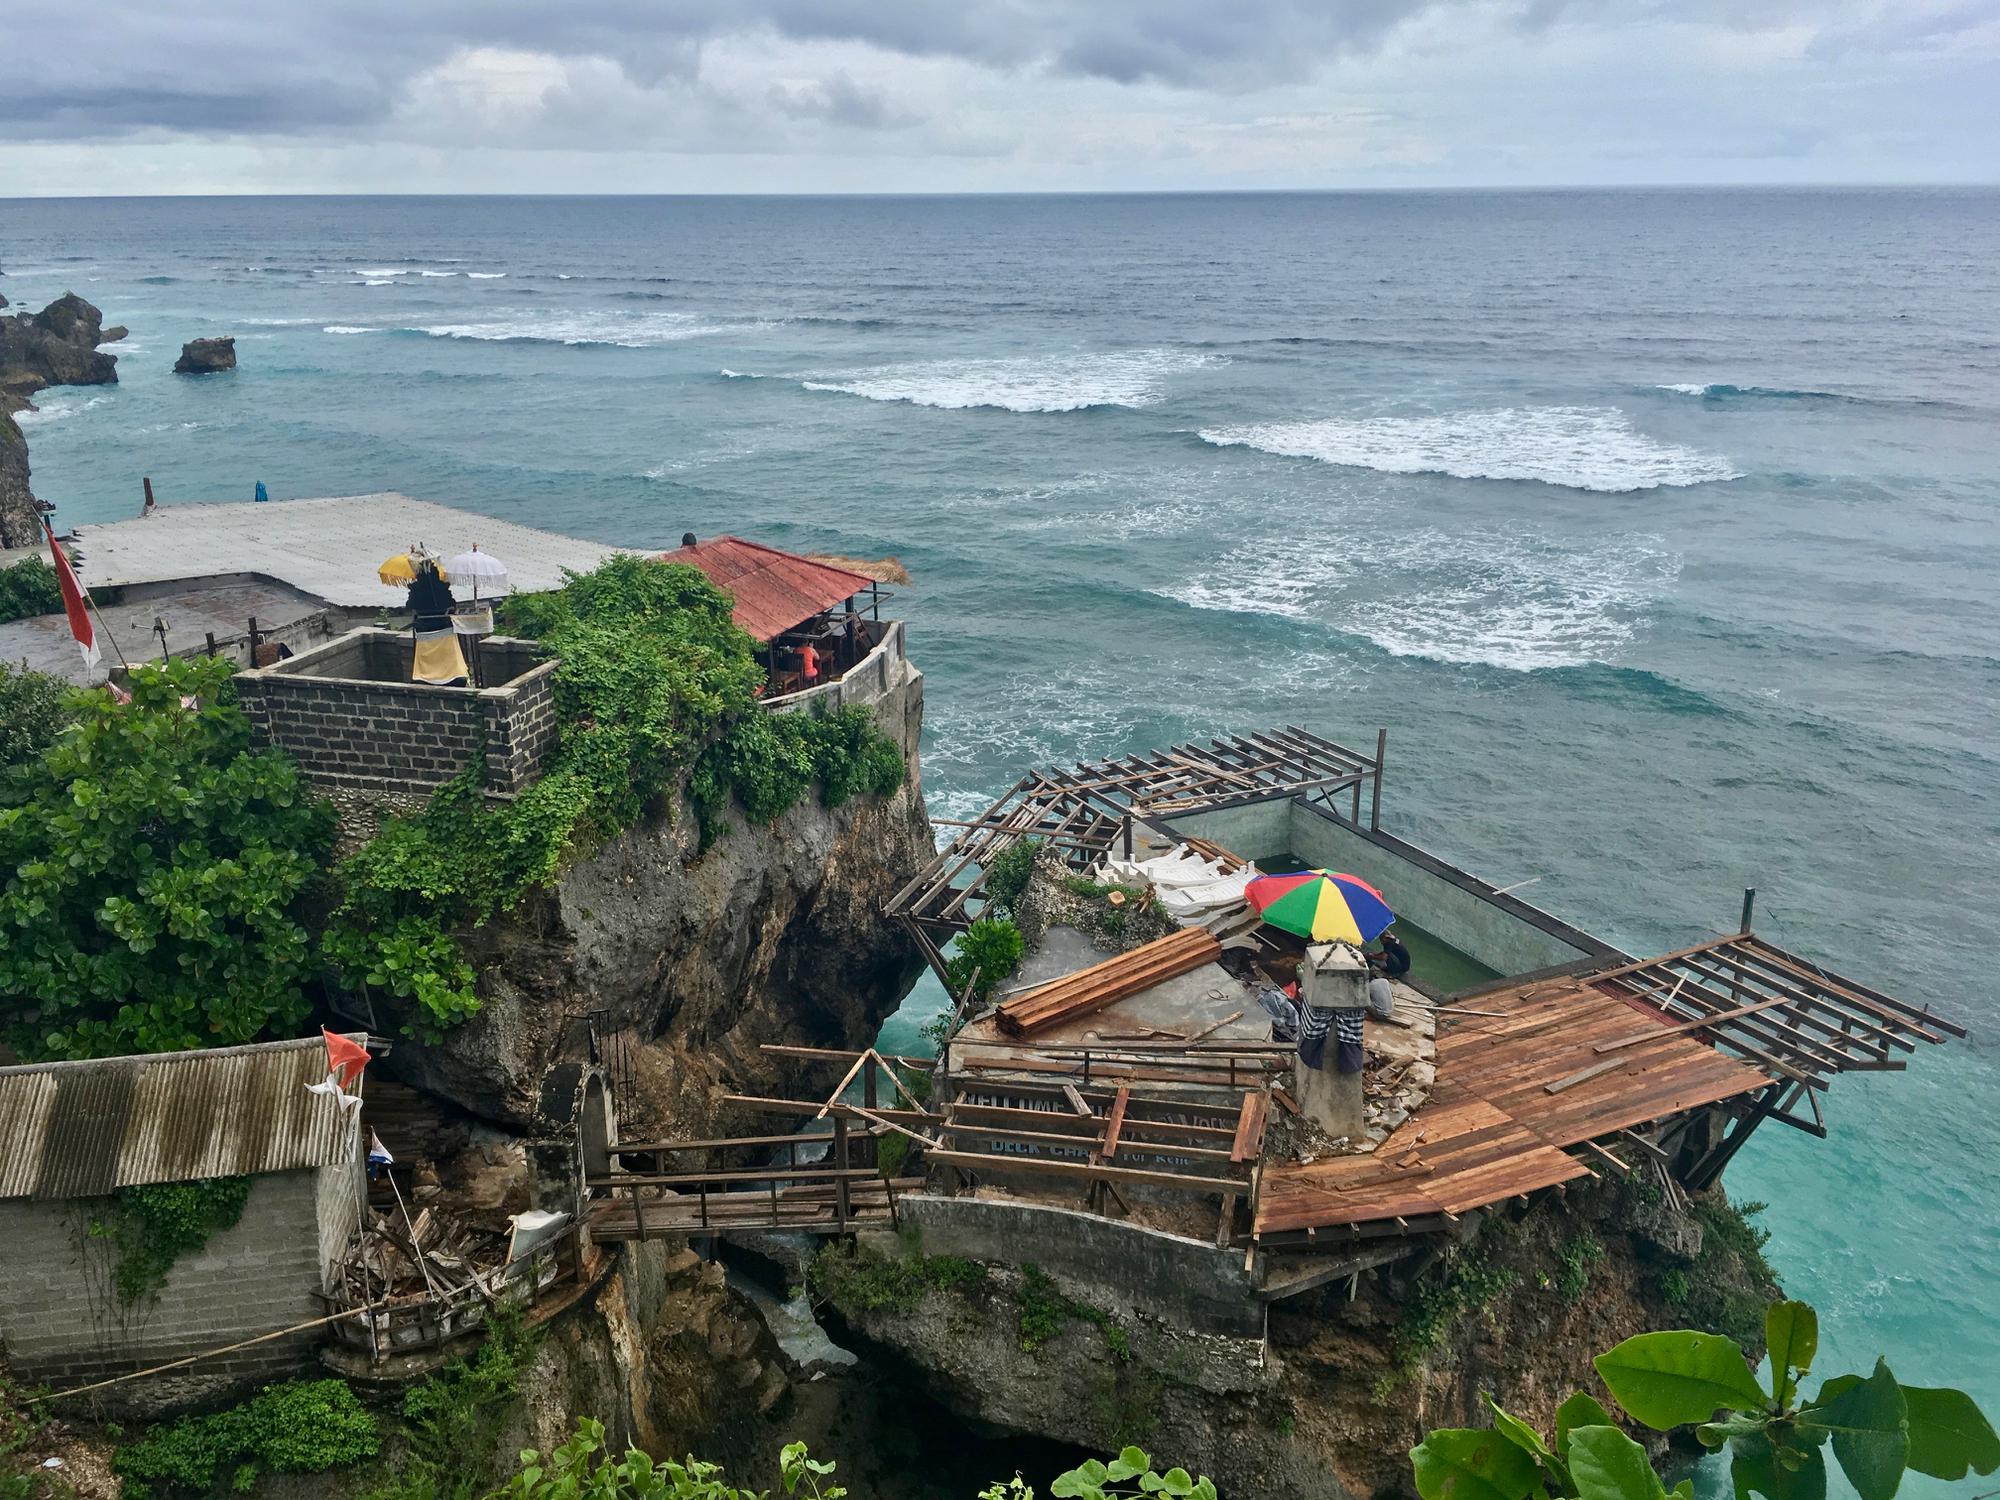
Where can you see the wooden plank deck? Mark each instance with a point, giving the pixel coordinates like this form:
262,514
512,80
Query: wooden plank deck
810,1209
1491,1129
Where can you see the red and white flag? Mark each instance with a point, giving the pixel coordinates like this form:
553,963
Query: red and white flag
74,600
344,1061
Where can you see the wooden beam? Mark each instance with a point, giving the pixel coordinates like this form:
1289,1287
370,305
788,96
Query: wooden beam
1084,1172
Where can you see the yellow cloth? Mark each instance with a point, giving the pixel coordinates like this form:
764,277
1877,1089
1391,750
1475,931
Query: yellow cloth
438,658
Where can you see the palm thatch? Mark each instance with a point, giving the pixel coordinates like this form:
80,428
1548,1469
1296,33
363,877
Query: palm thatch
883,570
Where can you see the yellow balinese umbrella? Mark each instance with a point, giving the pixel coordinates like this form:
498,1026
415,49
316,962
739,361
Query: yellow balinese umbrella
402,568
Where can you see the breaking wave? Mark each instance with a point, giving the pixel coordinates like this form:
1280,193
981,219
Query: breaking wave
348,328
1577,447
56,411
624,330
1509,599
1029,383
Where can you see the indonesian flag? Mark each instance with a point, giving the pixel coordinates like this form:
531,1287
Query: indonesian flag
73,600
344,1061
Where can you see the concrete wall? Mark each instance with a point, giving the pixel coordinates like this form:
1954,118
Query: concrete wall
864,684
1183,1282
1252,831
376,731
1502,932
62,1324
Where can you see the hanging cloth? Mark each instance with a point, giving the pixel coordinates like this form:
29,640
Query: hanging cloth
438,660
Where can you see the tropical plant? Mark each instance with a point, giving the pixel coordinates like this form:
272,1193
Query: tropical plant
27,588
158,868
1877,1428
299,1427
1009,873
34,709
987,953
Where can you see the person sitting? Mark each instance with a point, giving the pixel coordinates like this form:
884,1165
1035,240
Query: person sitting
1381,998
1393,961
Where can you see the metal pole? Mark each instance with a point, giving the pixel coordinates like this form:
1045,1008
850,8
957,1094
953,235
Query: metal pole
1749,906
1375,801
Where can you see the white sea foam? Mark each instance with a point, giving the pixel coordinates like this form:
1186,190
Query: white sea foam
485,275
1579,447
1684,388
630,331
278,322
56,411
1030,383
374,283
348,328
1501,597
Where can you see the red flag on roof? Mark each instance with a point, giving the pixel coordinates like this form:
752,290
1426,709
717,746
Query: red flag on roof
344,1061
74,601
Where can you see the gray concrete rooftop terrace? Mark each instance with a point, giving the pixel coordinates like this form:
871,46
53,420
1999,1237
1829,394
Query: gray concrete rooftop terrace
192,610
328,548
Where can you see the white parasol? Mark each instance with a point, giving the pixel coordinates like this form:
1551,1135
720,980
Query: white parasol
478,567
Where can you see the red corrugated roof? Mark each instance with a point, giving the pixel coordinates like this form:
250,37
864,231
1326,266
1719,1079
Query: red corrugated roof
773,590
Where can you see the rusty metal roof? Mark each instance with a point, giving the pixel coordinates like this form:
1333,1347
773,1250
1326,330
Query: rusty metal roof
77,1129
773,590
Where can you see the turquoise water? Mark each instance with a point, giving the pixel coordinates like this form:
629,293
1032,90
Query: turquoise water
1658,528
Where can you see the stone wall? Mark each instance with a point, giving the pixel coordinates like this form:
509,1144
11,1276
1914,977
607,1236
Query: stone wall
1181,1282
349,715
61,1322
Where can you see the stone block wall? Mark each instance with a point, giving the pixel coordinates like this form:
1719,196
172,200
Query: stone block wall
349,715
61,1322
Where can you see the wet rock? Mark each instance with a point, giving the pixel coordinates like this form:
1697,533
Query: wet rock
206,356
56,346
20,515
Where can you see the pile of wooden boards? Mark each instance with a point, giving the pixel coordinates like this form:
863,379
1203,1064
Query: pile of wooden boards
1099,985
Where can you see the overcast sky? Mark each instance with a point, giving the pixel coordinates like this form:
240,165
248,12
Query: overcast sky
135,96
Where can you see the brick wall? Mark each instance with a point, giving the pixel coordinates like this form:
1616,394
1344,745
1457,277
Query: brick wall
61,1322
349,715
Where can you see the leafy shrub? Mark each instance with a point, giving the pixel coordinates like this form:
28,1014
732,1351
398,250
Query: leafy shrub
300,1427
1469,1286
152,1225
28,588
34,709
159,872
1876,1428
1008,874
451,1420
858,1277
990,949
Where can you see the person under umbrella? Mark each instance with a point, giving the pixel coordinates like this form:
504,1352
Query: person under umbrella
437,659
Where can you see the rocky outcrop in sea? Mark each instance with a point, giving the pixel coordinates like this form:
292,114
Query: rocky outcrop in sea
206,356
20,514
56,346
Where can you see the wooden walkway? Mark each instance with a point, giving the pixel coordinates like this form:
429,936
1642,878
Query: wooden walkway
1514,1092
812,1208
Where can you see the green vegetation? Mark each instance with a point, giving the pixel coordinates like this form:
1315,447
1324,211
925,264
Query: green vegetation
1876,1428
987,952
1732,1259
28,588
451,1420
1675,1289
300,1427
1044,1311
855,1276
34,709
656,683
575,1471
1469,1285
1008,876
23,1420
159,874
153,1225
1579,1253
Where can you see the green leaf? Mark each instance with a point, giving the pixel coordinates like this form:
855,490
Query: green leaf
1581,1410
1869,1423
1178,1482
1949,1434
1791,1333
1529,1441
1130,1461
1607,1465
1667,1380
1754,1469
1471,1463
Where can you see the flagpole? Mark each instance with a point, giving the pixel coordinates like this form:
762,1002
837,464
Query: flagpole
107,630
69,566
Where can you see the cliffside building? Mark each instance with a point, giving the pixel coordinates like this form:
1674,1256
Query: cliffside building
76,1133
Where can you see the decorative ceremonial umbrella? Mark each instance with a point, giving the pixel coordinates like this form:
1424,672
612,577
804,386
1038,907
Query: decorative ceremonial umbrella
477,565
402,568
1321,906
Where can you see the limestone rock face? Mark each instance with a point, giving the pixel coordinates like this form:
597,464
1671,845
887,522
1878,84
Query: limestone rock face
20,516
688,961
206,356
56,346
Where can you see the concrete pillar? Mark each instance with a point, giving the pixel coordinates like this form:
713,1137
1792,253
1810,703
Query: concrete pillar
1333,977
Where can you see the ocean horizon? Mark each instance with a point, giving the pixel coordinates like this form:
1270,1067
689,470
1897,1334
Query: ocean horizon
1656,525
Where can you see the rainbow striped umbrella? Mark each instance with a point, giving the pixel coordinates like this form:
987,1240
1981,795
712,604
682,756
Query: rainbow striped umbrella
1321,906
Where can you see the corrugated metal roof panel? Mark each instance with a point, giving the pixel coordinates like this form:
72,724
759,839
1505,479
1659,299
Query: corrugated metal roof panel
773,590
78,1129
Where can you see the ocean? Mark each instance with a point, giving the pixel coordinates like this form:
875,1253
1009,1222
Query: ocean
1657,527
